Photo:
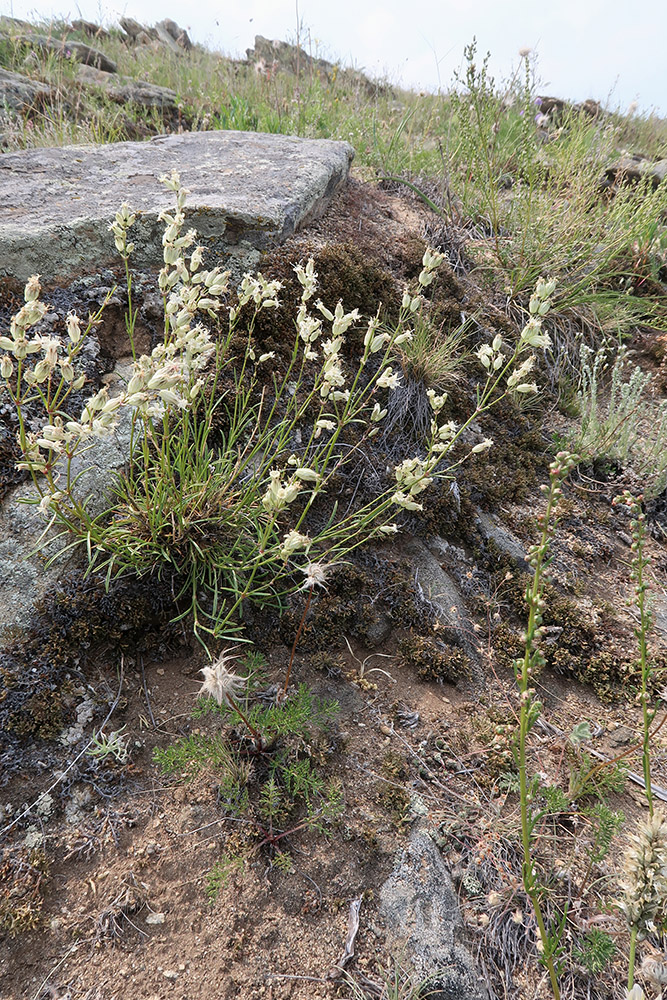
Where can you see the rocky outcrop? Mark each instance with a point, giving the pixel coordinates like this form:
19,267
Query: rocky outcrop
555,108
434,578
170,32
247,191
631,168
19,94
90,29
290,58
125,90
166,33
65,49
269,57
25,576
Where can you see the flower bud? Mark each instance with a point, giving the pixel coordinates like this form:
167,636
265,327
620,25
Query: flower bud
32,289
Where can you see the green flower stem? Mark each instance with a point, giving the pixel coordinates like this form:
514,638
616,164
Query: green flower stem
639,563
529,709
632,957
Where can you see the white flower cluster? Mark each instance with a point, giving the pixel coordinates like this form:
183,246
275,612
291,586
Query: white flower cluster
412,478
539,306
165,378
281,493
431,261
120,226
293,542
257,289
331,385
331,379
18,343
492,356
442,435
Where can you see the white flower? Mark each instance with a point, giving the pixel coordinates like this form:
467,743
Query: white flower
323,425
66,369
437,402
307,475
294,542
308,279
309,328
485,355
389,379
279,494
378,342
404,500
482,446
50,347
331,348
343,321
432,258
387,529
32,289
545,287
172,398
323,309
378,413
73,327
533,336
520,373
447,431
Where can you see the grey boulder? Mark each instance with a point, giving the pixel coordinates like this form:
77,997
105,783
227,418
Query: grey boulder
18,93
125,90
25,550
165,32
633,168
420,911
66,49
247,192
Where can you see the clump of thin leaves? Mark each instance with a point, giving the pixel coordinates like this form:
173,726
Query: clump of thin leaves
228,514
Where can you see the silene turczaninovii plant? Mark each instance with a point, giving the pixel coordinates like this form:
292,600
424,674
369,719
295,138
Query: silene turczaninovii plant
234,471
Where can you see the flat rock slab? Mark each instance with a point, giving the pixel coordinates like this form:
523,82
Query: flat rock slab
246,188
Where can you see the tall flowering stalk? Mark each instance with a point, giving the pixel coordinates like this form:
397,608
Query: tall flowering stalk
639,564
645,883
529,708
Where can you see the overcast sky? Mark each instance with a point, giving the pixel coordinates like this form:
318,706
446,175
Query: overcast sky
611,50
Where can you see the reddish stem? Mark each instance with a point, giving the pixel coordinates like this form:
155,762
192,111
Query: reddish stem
296,639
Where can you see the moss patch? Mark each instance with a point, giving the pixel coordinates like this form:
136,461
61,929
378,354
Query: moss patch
40,672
